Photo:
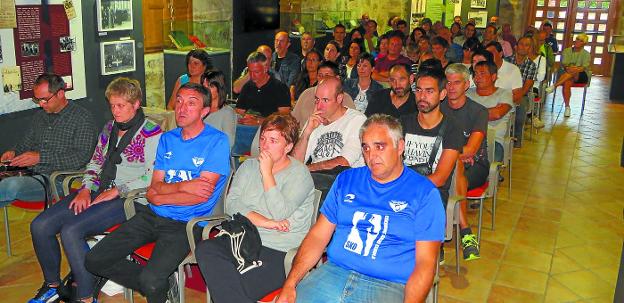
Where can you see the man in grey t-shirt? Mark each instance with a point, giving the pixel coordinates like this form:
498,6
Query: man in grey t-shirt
498,101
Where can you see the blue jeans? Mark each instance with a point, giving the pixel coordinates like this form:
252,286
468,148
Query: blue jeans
331,283
60,219
498,152
244,137
24,188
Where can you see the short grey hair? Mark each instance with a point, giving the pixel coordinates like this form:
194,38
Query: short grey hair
256,57
391,123
458,68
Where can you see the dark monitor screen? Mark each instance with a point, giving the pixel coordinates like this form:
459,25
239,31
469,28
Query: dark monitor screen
261,15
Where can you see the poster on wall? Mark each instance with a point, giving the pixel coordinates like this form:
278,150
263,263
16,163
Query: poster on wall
11,79
114,15
478,3
480,18
43,39
7,14
38,44
117,57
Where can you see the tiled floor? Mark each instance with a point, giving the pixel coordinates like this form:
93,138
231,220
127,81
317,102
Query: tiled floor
558,233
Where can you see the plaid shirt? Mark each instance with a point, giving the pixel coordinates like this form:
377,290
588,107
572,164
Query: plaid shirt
65,141
528,68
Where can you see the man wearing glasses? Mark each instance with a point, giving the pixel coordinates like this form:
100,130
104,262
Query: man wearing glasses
61,137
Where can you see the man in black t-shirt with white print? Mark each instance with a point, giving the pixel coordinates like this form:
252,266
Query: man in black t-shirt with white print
422,128
473,166
421,132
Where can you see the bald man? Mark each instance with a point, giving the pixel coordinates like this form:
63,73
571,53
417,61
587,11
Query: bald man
330,142
330,136
285,64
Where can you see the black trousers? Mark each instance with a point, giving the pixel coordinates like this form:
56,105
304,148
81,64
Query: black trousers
108,257
224,281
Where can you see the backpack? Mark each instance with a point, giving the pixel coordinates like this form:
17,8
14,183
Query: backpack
244,242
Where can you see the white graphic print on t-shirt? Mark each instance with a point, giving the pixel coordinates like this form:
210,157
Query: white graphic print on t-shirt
175,176
328,146
375,230
418,150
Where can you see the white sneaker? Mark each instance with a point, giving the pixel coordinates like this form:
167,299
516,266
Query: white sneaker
550,89
567,112
537,123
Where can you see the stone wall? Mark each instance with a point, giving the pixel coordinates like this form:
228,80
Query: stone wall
377,10
514,12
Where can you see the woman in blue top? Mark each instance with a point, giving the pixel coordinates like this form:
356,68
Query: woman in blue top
122,161
197,62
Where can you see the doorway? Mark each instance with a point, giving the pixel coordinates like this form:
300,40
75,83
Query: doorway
570,18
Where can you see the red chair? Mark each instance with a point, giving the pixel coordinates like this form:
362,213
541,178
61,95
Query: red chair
583,85
490,188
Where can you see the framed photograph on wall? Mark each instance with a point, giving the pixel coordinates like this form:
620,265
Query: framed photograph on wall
480,17
117,57
478,3
114,15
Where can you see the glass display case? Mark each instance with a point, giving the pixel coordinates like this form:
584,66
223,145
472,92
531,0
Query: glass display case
318,23
183,35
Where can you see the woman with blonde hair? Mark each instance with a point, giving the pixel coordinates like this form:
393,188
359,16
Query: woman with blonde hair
123,160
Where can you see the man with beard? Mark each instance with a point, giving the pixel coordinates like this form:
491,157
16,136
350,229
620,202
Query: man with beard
433,141
429,131
285,64
398,99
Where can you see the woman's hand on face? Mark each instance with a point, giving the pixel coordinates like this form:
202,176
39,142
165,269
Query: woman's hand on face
266,162
106,195
81,201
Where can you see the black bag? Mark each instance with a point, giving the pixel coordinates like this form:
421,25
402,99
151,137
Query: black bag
245,242
426,168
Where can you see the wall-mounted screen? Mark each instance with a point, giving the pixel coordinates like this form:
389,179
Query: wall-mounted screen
261,15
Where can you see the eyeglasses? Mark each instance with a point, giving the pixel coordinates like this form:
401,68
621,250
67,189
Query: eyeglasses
43,100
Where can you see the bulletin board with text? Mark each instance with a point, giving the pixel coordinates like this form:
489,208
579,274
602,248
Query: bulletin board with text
37,38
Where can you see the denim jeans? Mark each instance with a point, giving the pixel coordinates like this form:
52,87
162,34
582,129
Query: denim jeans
499,152
59,218
244,137
331,283
108,257
521,115
24,188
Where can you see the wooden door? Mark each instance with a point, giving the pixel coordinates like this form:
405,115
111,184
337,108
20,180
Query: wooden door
570,18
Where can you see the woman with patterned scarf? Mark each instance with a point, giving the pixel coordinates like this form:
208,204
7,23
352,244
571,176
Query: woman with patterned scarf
122,161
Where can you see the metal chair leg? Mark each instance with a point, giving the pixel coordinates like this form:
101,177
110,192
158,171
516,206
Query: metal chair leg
480,220
494,207
181,282
7,232
584,95
457,235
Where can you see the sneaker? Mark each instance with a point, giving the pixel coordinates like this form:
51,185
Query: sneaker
441,259
537,123
550,89
46,294
173,294
567,112
470,247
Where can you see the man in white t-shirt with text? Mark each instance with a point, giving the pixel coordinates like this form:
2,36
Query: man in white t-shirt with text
330,138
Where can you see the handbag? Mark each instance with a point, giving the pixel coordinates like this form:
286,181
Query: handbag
426,168
244,242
